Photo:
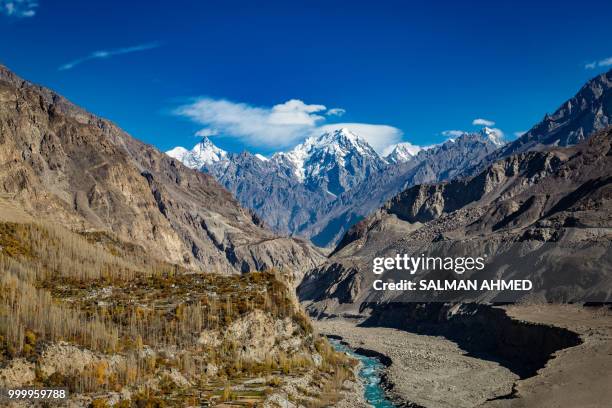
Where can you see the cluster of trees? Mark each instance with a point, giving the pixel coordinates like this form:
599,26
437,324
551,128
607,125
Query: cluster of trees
111,298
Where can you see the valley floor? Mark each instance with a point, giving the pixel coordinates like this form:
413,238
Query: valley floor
426,370
578,376
434,372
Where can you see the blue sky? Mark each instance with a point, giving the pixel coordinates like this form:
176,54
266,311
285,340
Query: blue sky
264,75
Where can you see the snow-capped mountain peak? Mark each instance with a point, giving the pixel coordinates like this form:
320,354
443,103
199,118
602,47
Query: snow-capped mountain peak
339,143
494,135
203,153
403,152
321,152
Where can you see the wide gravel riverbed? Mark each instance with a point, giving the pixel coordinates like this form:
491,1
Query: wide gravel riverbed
425,370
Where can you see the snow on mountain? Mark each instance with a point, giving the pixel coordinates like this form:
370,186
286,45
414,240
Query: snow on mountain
177,153
318,154
402,152
494,135
204,153
322,186
340,152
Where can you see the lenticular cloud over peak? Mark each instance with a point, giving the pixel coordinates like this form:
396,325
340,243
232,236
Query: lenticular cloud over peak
279,126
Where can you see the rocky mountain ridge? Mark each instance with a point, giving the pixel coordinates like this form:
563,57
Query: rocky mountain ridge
588,111
437,163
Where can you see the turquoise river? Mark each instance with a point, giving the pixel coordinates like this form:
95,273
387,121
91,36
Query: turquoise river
370,372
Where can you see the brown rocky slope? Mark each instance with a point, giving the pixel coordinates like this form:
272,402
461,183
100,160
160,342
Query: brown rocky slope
59,161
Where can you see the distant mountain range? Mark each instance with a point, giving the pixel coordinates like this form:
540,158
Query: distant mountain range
326,184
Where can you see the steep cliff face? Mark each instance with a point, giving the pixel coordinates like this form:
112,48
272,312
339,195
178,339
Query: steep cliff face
588,111
61,162
535,214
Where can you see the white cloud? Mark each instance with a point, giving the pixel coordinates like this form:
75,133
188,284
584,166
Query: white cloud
295,113
206,132
453,133
279,126
379,137
18,8
482,122
335,112
102,54
606,62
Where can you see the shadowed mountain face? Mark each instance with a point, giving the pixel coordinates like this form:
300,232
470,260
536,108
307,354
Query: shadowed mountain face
272,191
63,163
536,215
